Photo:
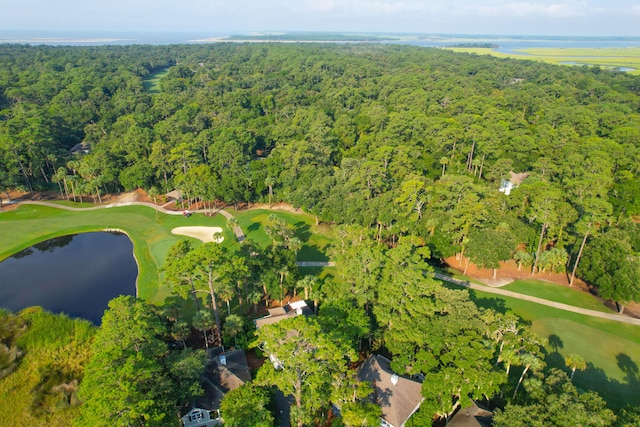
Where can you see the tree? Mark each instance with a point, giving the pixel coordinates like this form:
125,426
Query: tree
546,207
204,321
575,361
308,361
180,331
207,263
233,326
611,265
153,193
129,380
530,361
488,247
246,406
558,403
269,182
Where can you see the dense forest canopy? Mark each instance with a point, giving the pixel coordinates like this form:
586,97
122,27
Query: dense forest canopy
400,138
404,147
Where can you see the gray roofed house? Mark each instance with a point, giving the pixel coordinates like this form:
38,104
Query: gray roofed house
225,371
399,397
472,416
277,314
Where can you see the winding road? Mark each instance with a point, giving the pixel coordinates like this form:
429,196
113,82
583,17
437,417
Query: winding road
241,236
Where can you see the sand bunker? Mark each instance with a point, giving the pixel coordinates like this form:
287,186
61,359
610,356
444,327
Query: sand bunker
202,233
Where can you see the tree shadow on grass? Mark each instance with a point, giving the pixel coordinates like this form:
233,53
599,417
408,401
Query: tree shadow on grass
555,342
302,231
312,253
617,394
255,226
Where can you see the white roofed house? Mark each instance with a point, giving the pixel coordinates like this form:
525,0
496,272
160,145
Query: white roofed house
277,314
506,185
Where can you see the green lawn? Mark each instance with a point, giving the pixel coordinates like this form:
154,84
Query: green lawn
316,238
152,83
30,224
611,349
557,293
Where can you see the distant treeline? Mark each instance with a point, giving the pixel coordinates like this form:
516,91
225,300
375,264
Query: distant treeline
476,45
312,37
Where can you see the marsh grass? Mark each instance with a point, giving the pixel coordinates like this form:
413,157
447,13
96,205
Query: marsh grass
608,58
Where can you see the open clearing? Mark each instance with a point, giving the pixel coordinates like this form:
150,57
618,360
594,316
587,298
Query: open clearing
206,234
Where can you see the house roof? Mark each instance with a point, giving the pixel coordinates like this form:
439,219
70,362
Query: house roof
225,371
229,370
290,310
174,194
399,397
517,178
472,416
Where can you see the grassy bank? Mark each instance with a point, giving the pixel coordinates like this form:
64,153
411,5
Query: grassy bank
611,349
50,340
30,224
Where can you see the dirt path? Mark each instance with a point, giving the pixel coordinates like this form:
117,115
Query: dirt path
558,305
237,230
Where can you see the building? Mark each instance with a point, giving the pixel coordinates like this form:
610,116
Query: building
225,371
198,417
277,314
472,416
506,185
399,397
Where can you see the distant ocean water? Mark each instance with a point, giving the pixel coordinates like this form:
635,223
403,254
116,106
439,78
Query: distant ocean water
507,44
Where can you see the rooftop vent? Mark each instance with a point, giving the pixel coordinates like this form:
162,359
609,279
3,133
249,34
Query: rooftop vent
394,379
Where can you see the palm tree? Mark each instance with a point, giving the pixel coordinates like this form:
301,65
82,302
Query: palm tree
232,223
233,326
204,321
269,181
307,283
530,361
153,193
180,331
575,361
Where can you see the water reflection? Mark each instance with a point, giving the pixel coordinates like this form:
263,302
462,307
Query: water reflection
77,274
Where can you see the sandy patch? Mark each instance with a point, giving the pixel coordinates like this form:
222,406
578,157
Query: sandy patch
202,233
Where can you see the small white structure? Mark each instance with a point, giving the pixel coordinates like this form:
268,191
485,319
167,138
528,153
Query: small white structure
506,185
200,418
290,310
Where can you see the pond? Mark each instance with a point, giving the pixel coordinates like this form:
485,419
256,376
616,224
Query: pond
77,275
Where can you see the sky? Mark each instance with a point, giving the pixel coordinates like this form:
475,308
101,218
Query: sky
501,17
